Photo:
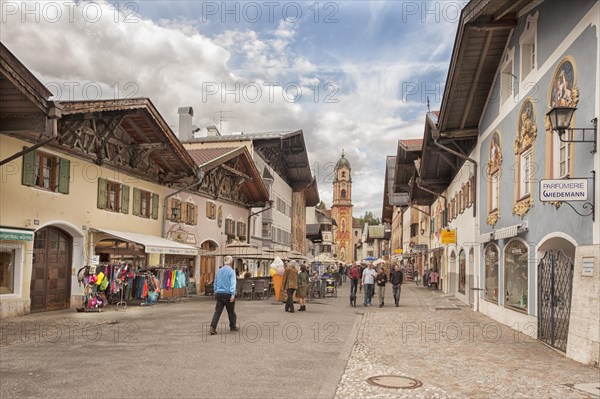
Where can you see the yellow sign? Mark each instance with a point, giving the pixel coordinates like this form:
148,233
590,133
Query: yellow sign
399,251
448,236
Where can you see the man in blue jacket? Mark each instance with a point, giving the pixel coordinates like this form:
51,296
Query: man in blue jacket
225,288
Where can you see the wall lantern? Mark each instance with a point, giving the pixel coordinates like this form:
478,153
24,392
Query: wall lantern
560,121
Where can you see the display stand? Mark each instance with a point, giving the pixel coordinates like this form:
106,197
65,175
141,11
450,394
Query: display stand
122,303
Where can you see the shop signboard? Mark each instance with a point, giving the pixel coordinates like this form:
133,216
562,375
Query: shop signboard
564,190
15,235
448,236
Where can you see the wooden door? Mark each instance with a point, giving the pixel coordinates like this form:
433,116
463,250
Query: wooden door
207,265
50,277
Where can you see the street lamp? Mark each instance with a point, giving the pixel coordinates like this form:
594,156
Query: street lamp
560,121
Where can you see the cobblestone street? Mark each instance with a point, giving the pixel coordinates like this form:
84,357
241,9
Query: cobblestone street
329,351
454,352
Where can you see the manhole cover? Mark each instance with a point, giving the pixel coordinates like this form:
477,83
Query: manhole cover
394,381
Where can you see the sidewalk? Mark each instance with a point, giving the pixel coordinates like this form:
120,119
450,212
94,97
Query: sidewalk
455,353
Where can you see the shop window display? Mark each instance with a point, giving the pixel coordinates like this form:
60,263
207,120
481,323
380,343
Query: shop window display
516,262
491,273
7,270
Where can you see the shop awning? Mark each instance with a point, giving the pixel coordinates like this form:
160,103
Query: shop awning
511,231
153,244
482,239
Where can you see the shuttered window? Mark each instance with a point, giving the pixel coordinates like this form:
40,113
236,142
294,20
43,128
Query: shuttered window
46,171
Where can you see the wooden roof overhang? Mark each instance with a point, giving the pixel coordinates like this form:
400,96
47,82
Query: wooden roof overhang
129,134
407,159
236,164
312,193
286,153
484,30
24,106
390,170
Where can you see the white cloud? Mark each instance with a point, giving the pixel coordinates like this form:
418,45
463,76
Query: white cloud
174,64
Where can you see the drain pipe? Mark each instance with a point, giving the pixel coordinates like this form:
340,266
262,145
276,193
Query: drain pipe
466,158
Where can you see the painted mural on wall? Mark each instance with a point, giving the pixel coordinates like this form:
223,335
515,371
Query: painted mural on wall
524,156
563,91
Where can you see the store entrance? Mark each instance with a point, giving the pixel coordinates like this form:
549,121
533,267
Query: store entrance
207,264
50,275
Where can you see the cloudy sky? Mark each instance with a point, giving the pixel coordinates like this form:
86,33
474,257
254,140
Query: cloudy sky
350,74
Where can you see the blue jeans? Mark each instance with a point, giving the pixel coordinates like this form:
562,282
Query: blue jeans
368,293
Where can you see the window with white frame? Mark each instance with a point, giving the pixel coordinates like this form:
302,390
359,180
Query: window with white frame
495,190
506,81
562,157
526,173
528,46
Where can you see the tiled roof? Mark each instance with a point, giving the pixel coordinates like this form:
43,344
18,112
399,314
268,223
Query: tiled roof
412,144
204,155
327,212
356,223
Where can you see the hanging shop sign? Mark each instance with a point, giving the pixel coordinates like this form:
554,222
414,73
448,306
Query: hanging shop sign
448,236
564,190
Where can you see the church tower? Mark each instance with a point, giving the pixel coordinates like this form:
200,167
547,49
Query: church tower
341,210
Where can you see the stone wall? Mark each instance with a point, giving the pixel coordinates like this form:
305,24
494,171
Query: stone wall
583,343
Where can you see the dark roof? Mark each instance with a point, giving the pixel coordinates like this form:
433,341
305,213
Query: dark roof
356,223
311,194
235,159
284,151
342,162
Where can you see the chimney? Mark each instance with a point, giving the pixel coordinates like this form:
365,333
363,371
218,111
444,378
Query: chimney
185,123
212,131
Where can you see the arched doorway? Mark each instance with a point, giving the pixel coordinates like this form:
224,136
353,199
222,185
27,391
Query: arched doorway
51,270
555,287
207,264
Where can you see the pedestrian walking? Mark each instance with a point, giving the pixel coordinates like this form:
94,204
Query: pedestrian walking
396,279
368,281
303,282
361,270
354,276
381,282
224,288
290,284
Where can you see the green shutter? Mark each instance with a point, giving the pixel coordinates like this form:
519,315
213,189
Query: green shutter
445,218
431,226
101,193
64,176
29,169
137,201
155,204
124,198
